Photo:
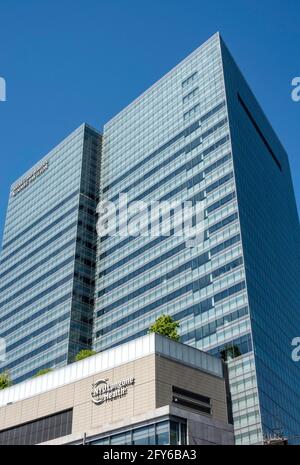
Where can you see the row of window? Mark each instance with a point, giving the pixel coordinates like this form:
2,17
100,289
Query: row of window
34,299
187,184
197,262
37,351
159,168
39,234
201,283
161,433
189,79
191,112
191,264
234,347
55,362
46,259
186,132
36,315
40,248
190,95
213,251
161,238
41,278
181,305
193,286
210,328
41,218
38,332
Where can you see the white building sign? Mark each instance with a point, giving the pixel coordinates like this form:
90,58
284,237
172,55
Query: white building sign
29,179
103,391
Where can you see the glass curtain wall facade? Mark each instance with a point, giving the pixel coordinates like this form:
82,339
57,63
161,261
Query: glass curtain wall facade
173,143
48,258
198,134
271,245
165,432
181,140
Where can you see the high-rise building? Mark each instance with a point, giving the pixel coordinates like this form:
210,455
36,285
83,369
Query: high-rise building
198,134
47,263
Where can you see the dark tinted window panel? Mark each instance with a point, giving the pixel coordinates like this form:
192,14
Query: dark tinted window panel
266,143
191,395
38,431
191,405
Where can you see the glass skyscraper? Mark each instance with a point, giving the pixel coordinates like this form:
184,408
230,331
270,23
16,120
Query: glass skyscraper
198,134
47,264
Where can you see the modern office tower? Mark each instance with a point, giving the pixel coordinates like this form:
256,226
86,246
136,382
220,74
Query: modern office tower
199,134
47,263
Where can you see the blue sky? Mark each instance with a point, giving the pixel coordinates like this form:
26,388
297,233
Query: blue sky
66,62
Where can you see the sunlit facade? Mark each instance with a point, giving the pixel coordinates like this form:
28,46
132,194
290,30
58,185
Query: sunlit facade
47,263
198,134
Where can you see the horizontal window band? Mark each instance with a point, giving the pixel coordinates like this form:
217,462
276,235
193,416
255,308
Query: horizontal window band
39,234
183,133
192,145
192,286
244,343
187,184
186,98
149,245
231,290
51,363
168,254
38,332
40,248
158,281
37,314
189,79
37,265
195,309
38,431
35,352
40,219
147,267
50,289
38,280
204,331
194,263
122,340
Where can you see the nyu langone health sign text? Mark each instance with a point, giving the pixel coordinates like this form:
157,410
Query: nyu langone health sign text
103,391
29,179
